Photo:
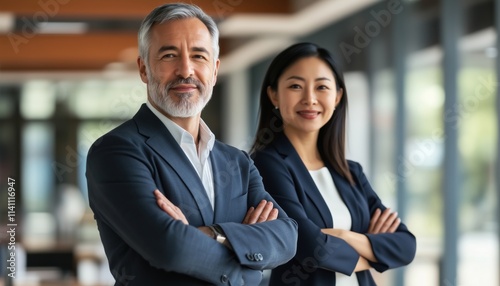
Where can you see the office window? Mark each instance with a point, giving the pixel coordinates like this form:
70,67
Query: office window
37,166
38,99
475,117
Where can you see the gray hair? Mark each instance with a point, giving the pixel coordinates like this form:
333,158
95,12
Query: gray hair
170,12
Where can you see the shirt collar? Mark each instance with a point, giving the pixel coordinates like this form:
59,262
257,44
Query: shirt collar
207,138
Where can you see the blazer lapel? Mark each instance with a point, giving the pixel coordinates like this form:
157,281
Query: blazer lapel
165,145
293,160
222,197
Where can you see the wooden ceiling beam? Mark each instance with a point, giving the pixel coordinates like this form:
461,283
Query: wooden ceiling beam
23,49
218,9
72,52
67,52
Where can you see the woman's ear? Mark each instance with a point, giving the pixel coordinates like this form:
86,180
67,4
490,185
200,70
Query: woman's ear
273,96
340,93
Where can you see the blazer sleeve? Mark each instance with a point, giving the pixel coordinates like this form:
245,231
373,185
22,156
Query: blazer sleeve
121,189
391,249
328,252
262,245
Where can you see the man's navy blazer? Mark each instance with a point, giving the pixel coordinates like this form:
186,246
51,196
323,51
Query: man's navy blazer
144,245
319,255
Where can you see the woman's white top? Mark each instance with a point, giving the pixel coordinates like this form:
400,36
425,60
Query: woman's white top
340,214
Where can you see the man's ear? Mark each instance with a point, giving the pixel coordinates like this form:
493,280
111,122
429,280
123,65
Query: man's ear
216,70
273,96
142,70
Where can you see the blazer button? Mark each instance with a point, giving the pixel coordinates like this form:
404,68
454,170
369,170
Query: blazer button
258,257
224,278
250,257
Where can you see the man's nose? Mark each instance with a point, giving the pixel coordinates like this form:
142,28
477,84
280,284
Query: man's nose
184,67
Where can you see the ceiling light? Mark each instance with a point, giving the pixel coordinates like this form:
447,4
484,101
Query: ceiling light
62,27
6,22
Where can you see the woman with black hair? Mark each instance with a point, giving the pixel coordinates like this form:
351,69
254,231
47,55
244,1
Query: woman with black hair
299,149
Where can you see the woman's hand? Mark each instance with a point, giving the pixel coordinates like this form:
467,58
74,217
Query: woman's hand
383,222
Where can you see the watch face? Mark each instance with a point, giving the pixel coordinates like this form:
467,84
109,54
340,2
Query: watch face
220,238
217,235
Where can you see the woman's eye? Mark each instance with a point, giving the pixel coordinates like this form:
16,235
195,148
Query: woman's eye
295,86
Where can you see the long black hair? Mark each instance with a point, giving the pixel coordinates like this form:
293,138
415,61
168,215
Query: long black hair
331,139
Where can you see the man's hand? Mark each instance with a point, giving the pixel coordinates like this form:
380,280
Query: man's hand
383,222
333,232
263,212
168,207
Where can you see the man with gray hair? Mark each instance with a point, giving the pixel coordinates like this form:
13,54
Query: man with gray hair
173,205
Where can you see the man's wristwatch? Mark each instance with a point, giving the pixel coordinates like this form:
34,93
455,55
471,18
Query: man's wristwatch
217,233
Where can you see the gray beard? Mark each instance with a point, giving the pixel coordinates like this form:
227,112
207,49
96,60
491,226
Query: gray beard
184,108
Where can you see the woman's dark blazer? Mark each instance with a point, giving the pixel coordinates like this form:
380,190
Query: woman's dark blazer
319,255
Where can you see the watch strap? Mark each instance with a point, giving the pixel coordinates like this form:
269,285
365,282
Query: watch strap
219,235
214,231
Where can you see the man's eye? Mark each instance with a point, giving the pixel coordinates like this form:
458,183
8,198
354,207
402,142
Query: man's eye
199,57
167,56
